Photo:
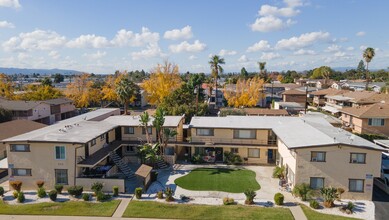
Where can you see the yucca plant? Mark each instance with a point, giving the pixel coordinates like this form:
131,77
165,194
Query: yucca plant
303,190
329,195
250,195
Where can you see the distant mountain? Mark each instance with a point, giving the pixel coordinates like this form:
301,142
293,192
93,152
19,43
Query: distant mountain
342,69
40,71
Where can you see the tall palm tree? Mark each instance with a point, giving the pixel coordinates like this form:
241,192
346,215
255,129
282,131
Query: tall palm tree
262,72
216,69
144,122
368,55
126,91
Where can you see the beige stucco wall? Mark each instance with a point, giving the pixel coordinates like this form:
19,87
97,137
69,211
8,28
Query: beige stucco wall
337,170
223,135
361,125
67,107
137,135
108,184
40,111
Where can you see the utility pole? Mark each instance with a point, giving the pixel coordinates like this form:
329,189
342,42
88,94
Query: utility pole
306,99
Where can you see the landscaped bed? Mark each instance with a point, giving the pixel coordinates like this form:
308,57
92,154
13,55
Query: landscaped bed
61,208
313,215
138,209
219,179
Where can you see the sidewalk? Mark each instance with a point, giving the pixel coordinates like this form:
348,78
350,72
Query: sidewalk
121,208
297,213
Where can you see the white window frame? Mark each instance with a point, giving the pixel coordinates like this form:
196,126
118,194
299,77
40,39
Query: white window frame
60,154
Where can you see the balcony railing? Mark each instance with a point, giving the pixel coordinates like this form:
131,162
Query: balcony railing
212,141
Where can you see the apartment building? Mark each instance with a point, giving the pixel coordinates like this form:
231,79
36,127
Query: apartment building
319,95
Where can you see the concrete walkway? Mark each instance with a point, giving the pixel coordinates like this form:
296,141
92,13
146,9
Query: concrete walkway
121,208
297,213
45,217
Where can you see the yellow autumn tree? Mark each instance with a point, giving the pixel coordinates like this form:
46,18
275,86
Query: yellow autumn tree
6,87
246,93
164,79
280,78
83,91
39,93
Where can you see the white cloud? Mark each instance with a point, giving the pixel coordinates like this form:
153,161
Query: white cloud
363,47
290,63
10,3
304,52
128,38
224,52
192,57
54,54
89,41
350,48
95,56
340,54
302,41
23,56
270,23
177,34
197,46
262,45
267,10
243,59
36,40
152,50
293,3
6,24
360,34
333,48
270,56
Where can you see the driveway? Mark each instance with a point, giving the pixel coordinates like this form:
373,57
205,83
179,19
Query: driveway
381,202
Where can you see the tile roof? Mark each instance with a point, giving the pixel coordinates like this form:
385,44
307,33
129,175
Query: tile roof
329,91
378,110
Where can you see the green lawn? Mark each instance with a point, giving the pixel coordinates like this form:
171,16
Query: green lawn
63,208
219,179
313,215
138,209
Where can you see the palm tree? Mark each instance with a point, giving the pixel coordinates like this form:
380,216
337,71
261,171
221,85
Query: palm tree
368,55
144,122
216,68
126,91
262,72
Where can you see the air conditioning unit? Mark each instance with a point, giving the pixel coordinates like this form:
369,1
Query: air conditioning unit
314,159
354,161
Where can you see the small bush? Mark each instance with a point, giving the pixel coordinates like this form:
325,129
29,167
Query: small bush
314,204
197,159
97,187
231,158
138,192
101,197
16,185
40,183
15,194
350,206
86,197
160,194
21,197
41,192
279,172
1,191
279,199
75,190
339,192
250,195
169,192
303,190
59,188
228,201
115,191
53,195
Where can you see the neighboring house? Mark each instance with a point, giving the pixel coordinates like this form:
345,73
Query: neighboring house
273,92
293,108
319,95
294,95
311,149
60,109
367,119
360,86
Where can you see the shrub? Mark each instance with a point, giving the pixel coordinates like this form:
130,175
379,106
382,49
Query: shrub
339,192
75,190
329,195
228,201
21,197
86,197
350,206
40,183
250,195
115,191
41,192
16,185
314,204
59,188
53,195
1,191
347,208
231,158
196,159
97,187
169,192
101,197
279,172
15,194
302,190
138,192
279,199
160,194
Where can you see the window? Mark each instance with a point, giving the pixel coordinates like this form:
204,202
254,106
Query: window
376,122
21,172
102,137
317,156
60,153
20,148
357,158
130,148
244,134
199,151
149,130
93,142
253,152
235,150
61,176
355,185
204,132
316,182
129,130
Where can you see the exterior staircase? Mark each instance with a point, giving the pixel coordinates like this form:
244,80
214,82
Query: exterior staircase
126,170
161,164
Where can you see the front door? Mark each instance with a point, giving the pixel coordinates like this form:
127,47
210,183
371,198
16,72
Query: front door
270,156
219,154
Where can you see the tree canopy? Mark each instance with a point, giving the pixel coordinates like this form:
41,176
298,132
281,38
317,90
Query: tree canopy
247,93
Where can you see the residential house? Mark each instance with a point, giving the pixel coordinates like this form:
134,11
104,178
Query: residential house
60,109
299,95
319,95
367,119
273,92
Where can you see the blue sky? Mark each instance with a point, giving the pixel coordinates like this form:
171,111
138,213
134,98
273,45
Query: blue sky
104,36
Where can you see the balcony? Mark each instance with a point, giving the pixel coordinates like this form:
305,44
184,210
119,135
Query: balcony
231,141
